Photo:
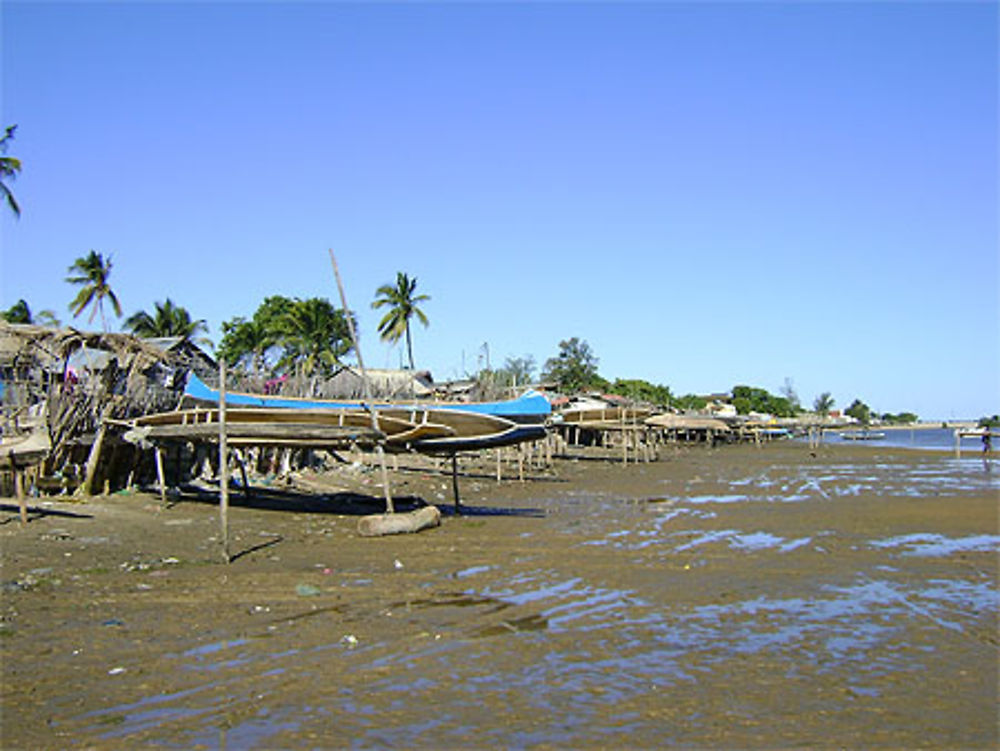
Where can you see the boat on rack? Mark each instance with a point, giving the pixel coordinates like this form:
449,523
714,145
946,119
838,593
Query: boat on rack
433,428
605,418
285,427
531,408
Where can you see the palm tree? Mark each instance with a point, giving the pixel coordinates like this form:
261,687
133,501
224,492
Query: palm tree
91,272
167,320
823,404
314,333
402,304
245,340
9,167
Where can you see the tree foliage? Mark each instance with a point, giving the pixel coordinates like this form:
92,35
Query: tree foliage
690,402
748,399
167,319
19,312
285,334
402,303
9,169
859,411
823,404
91,273
315,336
642,391
574,368
902,418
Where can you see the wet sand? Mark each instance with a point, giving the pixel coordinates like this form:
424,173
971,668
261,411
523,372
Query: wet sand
731,597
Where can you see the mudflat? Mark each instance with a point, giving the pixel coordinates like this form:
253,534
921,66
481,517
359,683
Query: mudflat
729,597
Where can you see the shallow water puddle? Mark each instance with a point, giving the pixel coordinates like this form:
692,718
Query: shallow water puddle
939,545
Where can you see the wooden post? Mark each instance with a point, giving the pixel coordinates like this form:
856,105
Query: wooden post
958,444
389,509
499,466
223,465
624,437
454,483
158,454
95,455
19,492
243,472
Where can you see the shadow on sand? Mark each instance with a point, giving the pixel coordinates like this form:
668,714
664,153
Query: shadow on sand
343,504
35,512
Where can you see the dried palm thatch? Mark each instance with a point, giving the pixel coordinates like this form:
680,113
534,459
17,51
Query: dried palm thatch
83,378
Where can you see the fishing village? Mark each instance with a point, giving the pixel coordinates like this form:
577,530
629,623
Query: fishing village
166,514
686,438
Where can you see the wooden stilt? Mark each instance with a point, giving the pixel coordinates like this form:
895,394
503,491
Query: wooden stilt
241,460
454,483
94,457
19,492
160,478
223,466
389,508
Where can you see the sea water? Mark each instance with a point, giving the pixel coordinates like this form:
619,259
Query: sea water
930,439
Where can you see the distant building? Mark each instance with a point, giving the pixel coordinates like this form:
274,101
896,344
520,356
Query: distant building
347,383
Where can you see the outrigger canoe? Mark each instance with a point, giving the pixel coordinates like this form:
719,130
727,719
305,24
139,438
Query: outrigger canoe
532,407
434,428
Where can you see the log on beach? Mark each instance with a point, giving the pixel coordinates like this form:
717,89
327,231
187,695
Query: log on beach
399,523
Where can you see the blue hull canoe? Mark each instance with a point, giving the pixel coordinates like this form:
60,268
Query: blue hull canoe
532,407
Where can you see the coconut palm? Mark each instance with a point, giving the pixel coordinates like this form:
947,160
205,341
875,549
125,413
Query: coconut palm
314,333
823,404
244,340
167,320
9,167
91,273
402,304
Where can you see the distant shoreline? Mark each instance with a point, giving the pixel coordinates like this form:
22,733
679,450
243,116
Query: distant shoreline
937,425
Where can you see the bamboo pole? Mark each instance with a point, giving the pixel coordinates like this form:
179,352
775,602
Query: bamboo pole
389,509
223,465
158,454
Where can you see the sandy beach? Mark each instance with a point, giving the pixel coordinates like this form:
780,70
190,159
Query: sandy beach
732,597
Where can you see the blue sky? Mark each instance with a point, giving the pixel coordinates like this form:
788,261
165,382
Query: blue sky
709,194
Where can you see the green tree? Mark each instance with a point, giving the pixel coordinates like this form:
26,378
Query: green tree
314,335
643,391
402,302
903,418
750,399
166,320
574,368
249,342
859,411
9,169
91,273
19,312
823,404
690,402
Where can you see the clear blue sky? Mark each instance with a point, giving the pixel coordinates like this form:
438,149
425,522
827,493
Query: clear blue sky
708,194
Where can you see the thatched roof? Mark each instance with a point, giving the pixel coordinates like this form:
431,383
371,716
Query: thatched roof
686,422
